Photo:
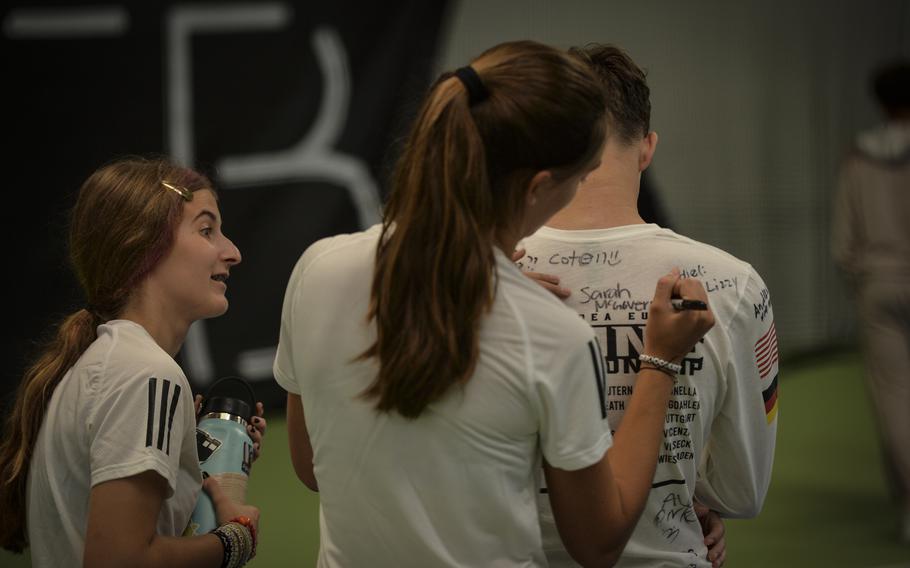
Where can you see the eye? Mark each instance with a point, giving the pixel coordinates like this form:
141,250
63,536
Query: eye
206,231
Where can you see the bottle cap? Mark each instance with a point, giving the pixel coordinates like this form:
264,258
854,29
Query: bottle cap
231,395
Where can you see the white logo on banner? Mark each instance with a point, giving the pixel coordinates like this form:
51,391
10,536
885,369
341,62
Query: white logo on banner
312,158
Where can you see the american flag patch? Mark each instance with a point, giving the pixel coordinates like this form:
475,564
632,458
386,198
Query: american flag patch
766,358
766,352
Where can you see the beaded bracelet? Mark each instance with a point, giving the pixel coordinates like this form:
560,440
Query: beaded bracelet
226,545
248,523
237,541
658,362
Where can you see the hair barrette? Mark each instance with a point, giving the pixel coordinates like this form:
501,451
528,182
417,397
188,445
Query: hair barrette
183,192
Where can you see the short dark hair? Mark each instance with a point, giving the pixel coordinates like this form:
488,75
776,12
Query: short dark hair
891,84
625,89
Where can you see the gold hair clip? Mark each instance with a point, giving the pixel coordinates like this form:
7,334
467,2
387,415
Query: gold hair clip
183,192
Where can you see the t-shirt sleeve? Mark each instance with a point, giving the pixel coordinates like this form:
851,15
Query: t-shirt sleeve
138,424
571,399
736,471
283,368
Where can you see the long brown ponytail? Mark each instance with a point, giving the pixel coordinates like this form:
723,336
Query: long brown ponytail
459,184
73,336
121,227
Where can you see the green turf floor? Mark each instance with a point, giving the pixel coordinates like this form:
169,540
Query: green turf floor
827,506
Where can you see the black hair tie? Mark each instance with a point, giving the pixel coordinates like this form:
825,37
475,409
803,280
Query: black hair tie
94,312
477,92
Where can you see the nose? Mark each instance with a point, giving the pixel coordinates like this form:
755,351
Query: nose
231,254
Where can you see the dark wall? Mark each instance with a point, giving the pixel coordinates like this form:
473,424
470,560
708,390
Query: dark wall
291,106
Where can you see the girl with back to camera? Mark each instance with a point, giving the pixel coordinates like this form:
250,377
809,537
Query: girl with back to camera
427,377
101,443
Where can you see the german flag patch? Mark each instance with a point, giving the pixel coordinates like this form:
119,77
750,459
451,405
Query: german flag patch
770,396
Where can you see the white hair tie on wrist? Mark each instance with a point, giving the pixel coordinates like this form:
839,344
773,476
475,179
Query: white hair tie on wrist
660,363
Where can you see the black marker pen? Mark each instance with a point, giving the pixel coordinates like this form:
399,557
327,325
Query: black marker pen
686,304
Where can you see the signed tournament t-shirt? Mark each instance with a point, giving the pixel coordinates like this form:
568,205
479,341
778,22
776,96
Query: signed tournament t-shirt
720,427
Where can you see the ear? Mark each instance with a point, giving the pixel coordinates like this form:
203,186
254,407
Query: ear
648,147
537,184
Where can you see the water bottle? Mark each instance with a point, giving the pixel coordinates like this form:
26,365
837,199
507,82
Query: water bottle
224,445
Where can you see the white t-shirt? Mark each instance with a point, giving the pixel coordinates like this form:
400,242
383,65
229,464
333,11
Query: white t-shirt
125,407
721,422
458,485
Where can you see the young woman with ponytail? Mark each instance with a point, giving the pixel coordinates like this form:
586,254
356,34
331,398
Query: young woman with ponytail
98,466
427,377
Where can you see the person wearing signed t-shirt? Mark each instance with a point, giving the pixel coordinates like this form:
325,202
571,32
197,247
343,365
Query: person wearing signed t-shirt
598,254
427,378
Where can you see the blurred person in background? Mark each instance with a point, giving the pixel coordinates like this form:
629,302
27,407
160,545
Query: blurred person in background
870,238
719,435
428,379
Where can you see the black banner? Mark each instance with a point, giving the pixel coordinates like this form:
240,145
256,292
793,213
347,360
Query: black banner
292,107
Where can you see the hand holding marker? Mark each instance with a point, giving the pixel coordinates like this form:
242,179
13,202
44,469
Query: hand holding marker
680,304
686,304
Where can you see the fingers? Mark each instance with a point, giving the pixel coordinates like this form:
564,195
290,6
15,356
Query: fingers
197,403
672,333
558,291
257,442
718,554
706,517
259,424
256,435
211,486
715,540
550,283
257,429
715,527
665,287
541,277
690,288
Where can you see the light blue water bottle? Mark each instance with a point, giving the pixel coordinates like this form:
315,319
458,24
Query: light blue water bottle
225,448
